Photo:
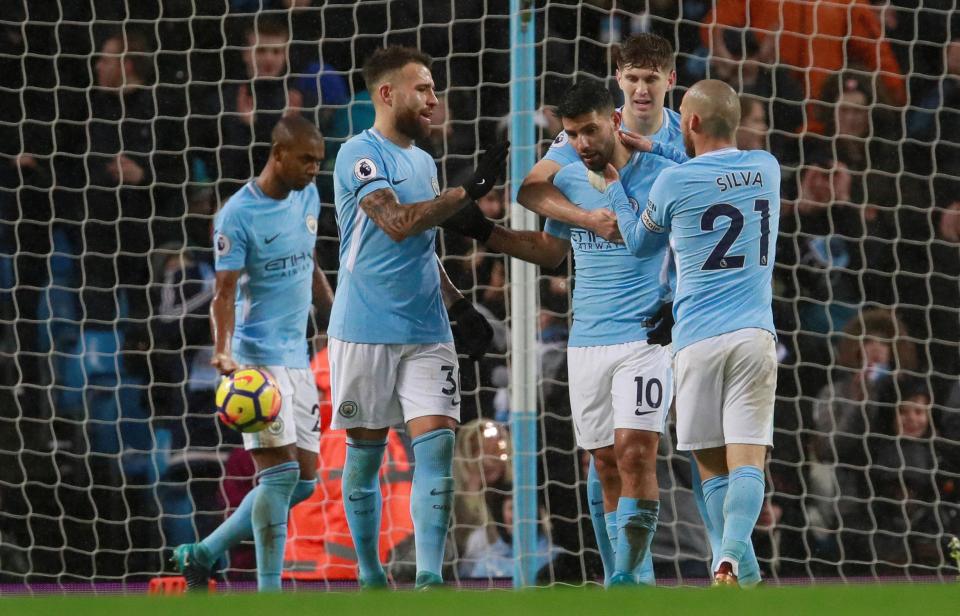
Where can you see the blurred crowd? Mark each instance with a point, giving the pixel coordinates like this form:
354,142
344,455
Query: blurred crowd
124,126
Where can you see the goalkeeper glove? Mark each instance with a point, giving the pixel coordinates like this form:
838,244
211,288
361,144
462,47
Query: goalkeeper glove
662,324
488,170
470,222
472,334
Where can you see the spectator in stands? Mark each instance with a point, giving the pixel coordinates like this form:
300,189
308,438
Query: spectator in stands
261,97
872,352
911,481
945,300
749,70
753,129
482,461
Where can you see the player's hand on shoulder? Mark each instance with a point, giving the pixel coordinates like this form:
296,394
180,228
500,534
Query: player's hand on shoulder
490,167
662,332
634,141
472,333
224,364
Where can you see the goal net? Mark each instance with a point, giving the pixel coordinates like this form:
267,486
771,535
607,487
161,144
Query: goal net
126,125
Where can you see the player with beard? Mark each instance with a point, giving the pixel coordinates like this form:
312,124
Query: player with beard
620,380
392,357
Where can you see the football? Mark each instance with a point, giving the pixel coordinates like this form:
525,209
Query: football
248,400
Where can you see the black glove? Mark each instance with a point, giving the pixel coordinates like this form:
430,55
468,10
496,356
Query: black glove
470,222
472,333
488,170
662,323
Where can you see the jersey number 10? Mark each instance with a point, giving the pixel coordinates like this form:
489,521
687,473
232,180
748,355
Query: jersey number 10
718,259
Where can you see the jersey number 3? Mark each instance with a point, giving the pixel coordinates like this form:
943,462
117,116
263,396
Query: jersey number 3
719,259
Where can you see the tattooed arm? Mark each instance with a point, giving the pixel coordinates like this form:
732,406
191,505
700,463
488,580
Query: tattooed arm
402,221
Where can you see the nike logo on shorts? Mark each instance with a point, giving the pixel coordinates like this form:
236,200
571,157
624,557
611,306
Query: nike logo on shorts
638,412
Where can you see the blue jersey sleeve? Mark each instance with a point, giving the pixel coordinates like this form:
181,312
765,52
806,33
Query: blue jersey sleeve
230,240
640,239
363,169
656,216
668,151
561,151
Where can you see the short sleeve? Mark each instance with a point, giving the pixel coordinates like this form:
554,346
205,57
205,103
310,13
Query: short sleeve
655,216
229,240
561,151
361,169
557,229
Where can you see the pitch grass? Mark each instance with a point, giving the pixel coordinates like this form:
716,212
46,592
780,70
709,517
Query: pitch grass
899,599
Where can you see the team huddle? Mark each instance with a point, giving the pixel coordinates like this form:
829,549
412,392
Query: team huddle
673,232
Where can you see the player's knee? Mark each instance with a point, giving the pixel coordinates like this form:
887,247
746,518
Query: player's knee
605,461
638,453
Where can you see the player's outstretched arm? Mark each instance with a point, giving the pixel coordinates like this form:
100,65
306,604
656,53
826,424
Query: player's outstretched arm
641,235
538,194
643,144
222,320
400,222
472,333
536,247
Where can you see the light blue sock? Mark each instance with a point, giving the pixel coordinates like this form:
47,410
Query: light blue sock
741,508
601,527
715,493
362,502
644,571
713,535
636,525
271,504
431,497
239,527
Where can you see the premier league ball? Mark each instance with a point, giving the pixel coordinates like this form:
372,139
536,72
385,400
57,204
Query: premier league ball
248,400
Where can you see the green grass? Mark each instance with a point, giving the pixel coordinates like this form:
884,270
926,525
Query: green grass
900,599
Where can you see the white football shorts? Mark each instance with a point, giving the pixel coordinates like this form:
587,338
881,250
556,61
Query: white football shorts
383,385
299,418
726,388
614,386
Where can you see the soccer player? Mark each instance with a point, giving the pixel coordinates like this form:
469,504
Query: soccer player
620,380
267,275
721,210
645,73
392,357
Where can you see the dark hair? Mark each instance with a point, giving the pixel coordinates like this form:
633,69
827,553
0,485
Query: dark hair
269,25
389,59
834,87
646,50
585,96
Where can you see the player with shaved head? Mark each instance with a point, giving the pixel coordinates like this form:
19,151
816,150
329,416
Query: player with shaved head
721,211
267,274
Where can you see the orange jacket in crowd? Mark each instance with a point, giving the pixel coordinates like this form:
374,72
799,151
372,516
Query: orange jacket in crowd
319,546
818,38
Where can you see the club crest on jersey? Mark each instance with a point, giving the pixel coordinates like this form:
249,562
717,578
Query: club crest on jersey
276,427
436,186
223,244
312,224
560,140
634,205
348,409
364,169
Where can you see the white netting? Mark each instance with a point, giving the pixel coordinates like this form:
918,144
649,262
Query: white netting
109,452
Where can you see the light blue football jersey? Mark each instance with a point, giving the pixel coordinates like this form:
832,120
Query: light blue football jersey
272,241
387,292
615,293
722,210
563,153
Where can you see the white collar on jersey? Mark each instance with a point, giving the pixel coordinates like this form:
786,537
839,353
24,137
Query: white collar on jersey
720,151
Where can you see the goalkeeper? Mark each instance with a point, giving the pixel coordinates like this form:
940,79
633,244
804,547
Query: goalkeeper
621,383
